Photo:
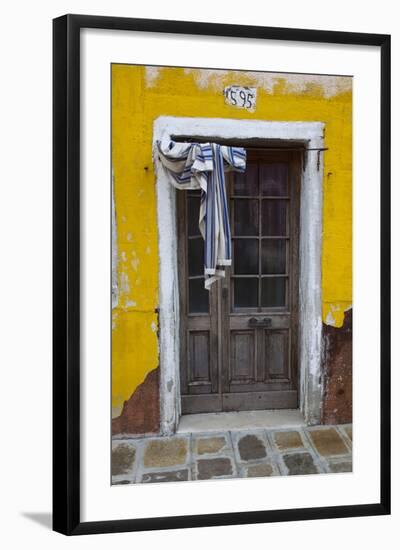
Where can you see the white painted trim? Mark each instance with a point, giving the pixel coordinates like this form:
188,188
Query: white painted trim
310,342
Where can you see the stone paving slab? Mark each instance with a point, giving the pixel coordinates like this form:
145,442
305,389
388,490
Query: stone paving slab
286,440
232,454
264,469
340,466
251,447
165,452
300,464
328,441
212,468
210,445
123,459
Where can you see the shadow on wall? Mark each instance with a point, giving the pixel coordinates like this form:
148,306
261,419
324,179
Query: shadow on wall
45,519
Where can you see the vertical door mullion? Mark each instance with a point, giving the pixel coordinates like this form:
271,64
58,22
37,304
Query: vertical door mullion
184,289
258,333
214,339
289,225
259,237
295,166
225,300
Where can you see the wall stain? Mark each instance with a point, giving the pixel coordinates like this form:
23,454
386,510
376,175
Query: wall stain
141,413
337,402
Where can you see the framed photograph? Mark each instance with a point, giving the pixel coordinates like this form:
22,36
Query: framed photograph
221,274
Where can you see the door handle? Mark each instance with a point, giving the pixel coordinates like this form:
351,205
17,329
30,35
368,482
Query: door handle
259,323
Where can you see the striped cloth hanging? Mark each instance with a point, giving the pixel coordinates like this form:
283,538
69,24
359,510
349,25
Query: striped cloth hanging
202,166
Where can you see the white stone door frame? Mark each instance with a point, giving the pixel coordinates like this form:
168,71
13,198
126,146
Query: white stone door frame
311,135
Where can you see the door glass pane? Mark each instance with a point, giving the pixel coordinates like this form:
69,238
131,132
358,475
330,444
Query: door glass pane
246,183
198,296
273,292
274,179
245,292
245,217
193,209
274,214
273,256
196,256
246,256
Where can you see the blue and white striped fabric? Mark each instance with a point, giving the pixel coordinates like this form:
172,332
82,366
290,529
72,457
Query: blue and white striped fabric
202,166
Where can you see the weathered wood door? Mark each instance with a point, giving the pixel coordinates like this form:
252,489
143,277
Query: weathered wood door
239,341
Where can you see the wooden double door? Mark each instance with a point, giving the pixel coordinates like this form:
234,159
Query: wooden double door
239,340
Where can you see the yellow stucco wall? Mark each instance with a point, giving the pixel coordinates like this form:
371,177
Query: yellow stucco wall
139,96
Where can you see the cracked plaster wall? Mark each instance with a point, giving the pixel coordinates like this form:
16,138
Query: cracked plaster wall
139,96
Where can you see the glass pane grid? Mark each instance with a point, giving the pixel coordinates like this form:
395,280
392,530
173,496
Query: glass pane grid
260,241
198,296
246,257
198,302
195,257
274,256
246,217
274,218
193,209
273,178
274,292
246,183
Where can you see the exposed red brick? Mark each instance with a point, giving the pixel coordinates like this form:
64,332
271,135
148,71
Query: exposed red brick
337,403
141,413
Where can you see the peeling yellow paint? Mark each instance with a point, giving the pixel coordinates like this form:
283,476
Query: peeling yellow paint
333,314
134,352
139,96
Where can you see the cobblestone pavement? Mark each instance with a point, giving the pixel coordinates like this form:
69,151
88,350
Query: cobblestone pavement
230,454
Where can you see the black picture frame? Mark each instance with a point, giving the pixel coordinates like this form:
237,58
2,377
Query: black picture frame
66,273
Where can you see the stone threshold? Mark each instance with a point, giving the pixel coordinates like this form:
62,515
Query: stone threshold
243,420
